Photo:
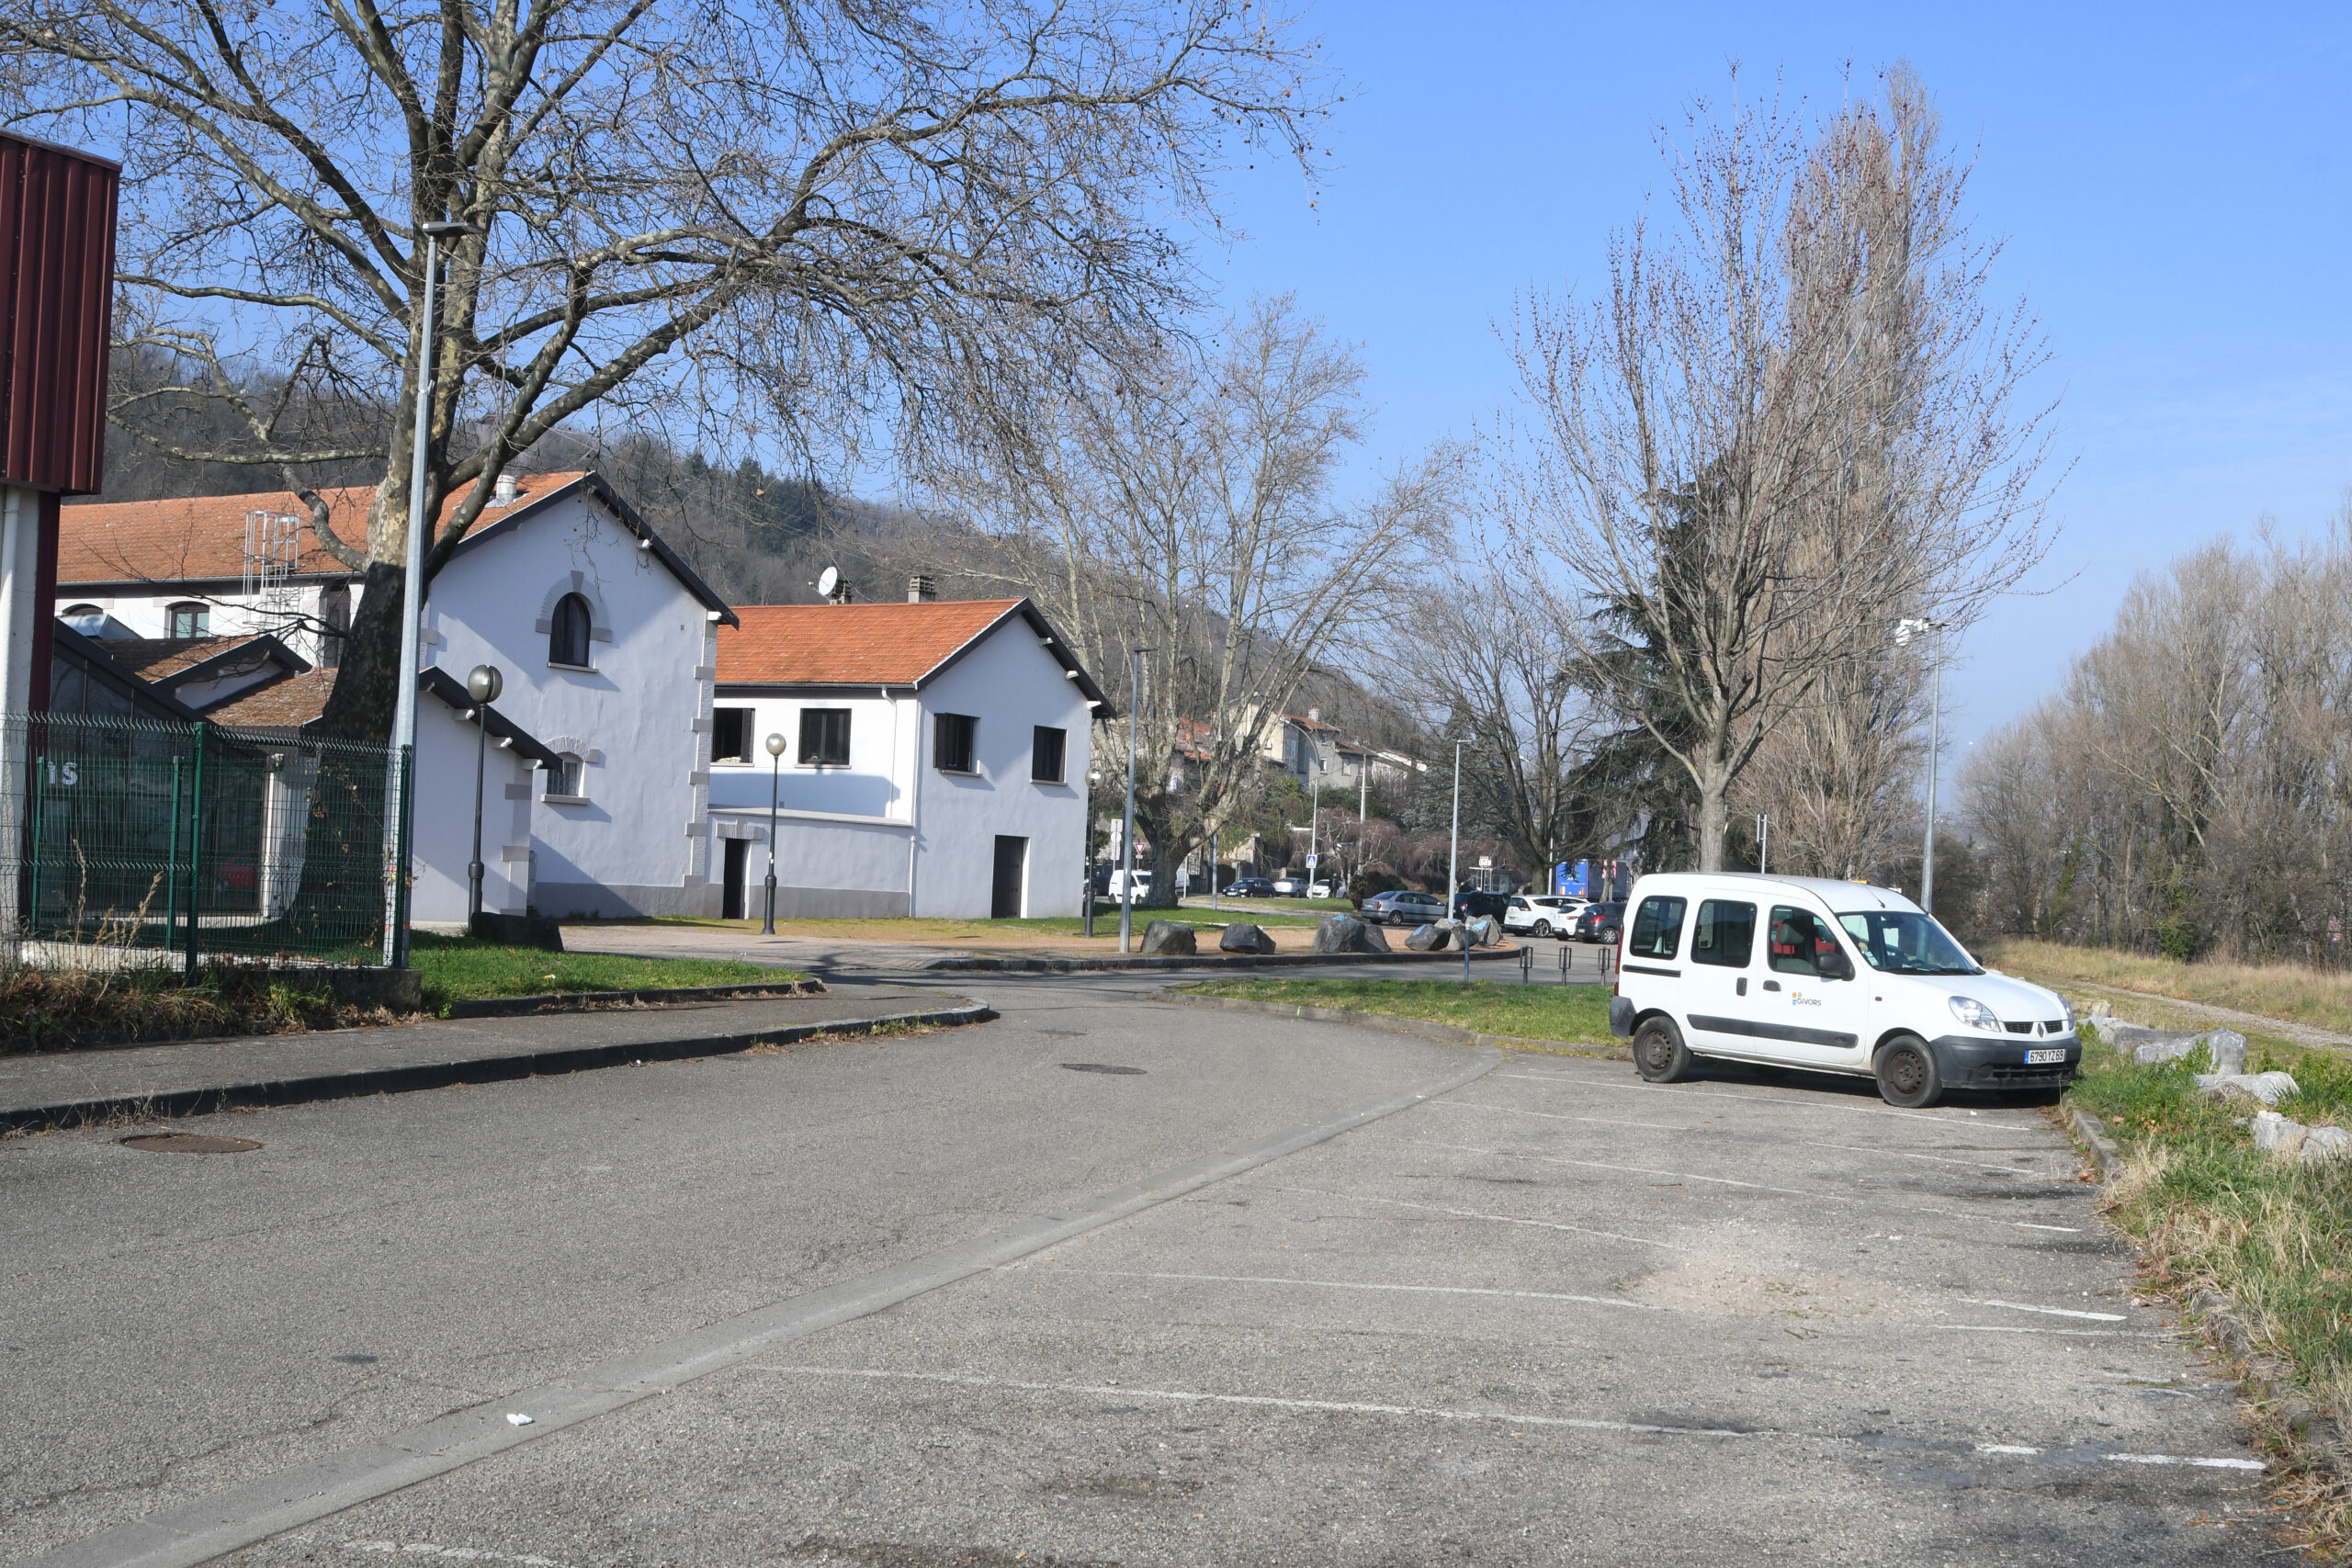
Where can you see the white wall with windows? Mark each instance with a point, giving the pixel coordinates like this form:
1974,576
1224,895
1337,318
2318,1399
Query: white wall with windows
931,804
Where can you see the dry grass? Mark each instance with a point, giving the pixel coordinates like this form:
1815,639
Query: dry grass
2318,998
63,1009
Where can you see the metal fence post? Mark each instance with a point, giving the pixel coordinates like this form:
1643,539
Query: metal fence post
172,865
33,880
196,851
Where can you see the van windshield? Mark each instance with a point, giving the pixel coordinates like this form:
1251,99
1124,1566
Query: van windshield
1903,944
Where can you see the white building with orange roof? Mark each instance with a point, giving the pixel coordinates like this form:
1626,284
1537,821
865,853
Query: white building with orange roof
598,784
933,761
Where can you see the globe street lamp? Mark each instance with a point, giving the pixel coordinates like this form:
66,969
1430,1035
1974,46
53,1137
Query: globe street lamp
482,685
1904,630
775,780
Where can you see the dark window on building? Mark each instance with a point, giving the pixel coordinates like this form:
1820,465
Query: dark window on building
824,737
730,735
565,777
1046,754
953,737
1658,929
81,613
568,632
335,622
1725,934
189,620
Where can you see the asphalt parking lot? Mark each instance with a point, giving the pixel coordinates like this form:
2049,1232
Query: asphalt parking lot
1550,1316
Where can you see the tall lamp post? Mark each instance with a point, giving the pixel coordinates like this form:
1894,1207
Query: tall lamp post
1453,861
1904,630
412,597
482,685
775,777
1128,834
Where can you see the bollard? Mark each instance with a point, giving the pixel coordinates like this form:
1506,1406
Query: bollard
1526,965
1567,954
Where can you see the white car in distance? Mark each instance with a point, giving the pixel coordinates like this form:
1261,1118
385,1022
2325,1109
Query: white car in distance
1543,914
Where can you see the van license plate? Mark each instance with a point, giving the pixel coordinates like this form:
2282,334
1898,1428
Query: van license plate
2055,1053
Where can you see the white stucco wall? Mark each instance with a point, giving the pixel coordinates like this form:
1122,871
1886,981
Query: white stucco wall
636,718
229,614
844,842
445,750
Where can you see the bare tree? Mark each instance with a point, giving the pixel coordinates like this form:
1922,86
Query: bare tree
1185,507
1487,662
1791,421
1836,775
855,216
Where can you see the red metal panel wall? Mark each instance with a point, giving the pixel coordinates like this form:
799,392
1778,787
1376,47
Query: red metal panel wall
57,216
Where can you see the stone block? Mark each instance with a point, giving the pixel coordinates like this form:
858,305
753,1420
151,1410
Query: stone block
1346,933
1430,938
2267,1088
1243,937
1169,939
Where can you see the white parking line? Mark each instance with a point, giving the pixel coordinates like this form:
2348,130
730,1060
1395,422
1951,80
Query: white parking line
1345,1285
1477,1214
1974,1122
2053,1312
1263,1401
1556,1116
456,1553
2059,1333
1935,1159
1430,1413
1751,1186
2014,1450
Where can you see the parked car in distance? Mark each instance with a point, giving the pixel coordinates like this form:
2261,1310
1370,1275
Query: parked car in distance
1543,914
1289,886
1115,884
1402,907
1249,887
1788,972
1319,890
1601,922
1470,906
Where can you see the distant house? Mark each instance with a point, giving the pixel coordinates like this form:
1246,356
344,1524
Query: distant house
596,785
934,761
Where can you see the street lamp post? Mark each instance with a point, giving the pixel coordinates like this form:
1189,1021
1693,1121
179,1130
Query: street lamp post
482,685
1904,630
396,945
1128,834
1093,778
775,778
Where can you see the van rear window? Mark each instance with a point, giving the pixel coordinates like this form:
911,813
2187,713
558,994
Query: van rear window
1658,928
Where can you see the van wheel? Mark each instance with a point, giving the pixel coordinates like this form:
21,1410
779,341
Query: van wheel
1659,1054
1906,1074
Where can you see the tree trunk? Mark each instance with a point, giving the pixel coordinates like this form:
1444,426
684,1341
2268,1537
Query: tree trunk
368,683
1714,785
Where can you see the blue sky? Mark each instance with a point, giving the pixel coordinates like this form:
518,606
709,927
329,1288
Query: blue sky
2169,182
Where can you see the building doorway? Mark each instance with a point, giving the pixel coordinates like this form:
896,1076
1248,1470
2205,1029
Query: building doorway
1012,871
738,853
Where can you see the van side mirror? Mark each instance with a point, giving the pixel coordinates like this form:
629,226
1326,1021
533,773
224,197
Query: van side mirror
1836,965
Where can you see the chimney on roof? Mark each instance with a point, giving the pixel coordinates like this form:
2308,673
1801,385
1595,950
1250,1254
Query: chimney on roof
1314,716
504,494
920,590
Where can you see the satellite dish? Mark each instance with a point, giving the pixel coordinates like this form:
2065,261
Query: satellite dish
827,581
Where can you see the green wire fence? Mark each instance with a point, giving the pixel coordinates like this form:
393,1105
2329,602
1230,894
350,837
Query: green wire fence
137,841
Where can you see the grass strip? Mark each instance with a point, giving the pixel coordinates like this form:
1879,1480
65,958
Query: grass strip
1577,1015
459,968
70,1009
2212,1212
2315,997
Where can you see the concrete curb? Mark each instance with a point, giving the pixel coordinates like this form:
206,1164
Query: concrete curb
1204,961
580,1001
362,1081
1422,1028
2087,1127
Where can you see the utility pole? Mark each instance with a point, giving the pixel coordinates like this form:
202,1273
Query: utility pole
1127,836
1904,630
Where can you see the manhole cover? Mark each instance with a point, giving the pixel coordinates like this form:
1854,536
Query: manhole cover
1100,1067
188,1144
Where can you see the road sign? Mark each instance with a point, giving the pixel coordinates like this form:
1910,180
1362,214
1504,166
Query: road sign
1310,862
1486,863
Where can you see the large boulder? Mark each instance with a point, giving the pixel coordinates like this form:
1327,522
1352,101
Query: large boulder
1170,938
1243,937
2267,1088
1346,933
2286,1139
1484,932
1430,938
2226,1046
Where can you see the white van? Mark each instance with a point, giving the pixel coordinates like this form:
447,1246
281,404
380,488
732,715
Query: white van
1780,972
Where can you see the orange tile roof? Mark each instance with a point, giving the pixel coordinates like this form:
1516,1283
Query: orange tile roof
286,704
203,537
160,658
850,645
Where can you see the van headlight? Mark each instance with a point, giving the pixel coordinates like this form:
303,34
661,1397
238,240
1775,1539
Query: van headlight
1974,1014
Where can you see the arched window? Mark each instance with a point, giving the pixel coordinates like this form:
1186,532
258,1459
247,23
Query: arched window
81,613
568,632
564,778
